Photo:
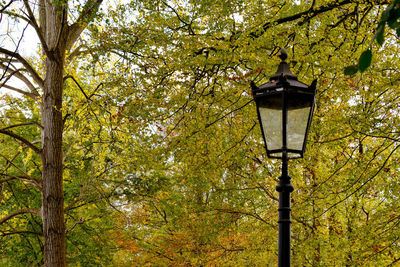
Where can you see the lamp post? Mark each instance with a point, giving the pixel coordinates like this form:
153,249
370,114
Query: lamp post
284,108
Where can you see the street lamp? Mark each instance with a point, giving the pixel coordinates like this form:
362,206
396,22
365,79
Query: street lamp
284,107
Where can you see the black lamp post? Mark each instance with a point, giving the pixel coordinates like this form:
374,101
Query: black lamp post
284,107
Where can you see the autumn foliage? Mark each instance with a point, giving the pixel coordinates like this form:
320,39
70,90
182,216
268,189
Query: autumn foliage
163,159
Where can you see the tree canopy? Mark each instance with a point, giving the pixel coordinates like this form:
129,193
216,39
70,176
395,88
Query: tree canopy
162,156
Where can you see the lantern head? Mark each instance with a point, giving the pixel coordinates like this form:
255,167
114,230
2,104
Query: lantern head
285,108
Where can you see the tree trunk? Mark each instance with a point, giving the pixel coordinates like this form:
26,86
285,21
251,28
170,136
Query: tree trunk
52,121
53,199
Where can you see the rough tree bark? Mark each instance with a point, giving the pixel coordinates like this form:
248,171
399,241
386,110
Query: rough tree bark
52,122
59,38
56,39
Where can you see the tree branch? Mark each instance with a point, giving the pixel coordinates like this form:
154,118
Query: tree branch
364,183
238,212
87,14
17,73
42,15
16,49
310,13
18,212
76,82
23,140
188,25
28,67
8,179
24,178
13,14
13,88
32,21
77,51
10,162
19,91
23,124
6,6
20,232
81,221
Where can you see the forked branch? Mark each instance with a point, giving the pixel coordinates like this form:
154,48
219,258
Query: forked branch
17,73
19,212
6,6
23,140
76,82
33,22
88,12
25,63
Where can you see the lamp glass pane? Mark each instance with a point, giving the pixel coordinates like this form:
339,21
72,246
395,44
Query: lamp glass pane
299,107
271,120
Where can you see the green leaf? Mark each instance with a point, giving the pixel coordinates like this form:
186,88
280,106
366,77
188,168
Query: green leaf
394,16
394,24
380,33
351,70
386,13
398,32
365,60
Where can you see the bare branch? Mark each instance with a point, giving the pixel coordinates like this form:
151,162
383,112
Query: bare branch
13,14
95,90
23,140
17,74
81,221
19,91
25,63
243,213
32,21
6,59
20,232
19,212
16,49
11,87
10,162
42,15
23,124
364,183
77,51
76,82
88,12
6,6
32,181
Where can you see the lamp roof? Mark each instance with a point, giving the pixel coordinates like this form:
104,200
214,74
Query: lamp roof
283,68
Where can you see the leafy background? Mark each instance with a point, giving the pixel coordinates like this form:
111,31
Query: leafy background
164,162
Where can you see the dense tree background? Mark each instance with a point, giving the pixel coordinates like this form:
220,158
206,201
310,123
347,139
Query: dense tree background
162,153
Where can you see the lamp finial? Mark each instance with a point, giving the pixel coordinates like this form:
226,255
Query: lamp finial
283,54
